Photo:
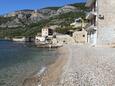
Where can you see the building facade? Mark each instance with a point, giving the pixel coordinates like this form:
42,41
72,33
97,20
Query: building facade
102,17
80,34
47,32
80,37
92,26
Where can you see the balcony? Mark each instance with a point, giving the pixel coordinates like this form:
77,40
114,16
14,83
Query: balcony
91,15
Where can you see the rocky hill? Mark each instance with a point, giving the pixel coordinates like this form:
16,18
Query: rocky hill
28,22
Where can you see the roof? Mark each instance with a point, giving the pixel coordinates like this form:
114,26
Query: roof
89,3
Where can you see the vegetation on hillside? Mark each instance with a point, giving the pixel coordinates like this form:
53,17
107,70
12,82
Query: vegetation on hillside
52,8
28,30
5,19
80,6
62,20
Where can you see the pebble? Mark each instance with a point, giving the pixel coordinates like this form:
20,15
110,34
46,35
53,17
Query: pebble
88,66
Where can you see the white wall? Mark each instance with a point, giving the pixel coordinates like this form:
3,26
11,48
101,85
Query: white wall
106,26
44,32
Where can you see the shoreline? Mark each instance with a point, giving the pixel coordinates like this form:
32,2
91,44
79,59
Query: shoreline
50,74
54,70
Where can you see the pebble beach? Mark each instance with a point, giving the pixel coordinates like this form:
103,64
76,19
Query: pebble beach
83,66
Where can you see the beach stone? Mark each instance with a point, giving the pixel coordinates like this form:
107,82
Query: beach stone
88,66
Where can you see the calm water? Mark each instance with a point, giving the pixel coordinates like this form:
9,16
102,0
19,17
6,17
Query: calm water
18,61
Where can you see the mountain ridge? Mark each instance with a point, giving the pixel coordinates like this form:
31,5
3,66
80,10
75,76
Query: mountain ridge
25,22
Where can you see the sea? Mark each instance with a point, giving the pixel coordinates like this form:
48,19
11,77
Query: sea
18,61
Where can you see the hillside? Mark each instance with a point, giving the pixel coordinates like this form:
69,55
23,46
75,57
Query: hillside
29,22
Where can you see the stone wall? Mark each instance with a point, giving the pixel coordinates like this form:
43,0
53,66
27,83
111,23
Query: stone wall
63,39
80,36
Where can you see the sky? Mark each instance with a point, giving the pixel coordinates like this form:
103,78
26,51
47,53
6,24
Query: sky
13,5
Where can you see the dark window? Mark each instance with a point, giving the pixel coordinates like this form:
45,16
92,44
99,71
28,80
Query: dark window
50,31
83,35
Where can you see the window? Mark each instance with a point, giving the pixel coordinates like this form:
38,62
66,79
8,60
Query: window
83,35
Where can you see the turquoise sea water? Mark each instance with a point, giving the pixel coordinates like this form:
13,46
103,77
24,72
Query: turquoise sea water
19,60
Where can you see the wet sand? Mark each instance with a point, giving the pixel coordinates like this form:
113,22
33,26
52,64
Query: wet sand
50,75
55,69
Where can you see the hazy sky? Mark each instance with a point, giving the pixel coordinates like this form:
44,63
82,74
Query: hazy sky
12,5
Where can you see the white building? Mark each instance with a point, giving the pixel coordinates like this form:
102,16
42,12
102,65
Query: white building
92,26
47,32
102,19
45,37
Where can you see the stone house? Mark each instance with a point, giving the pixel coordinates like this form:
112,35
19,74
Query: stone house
46,36
80,37
102,22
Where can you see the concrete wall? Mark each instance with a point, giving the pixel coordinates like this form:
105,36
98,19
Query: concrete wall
64,39
106,26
